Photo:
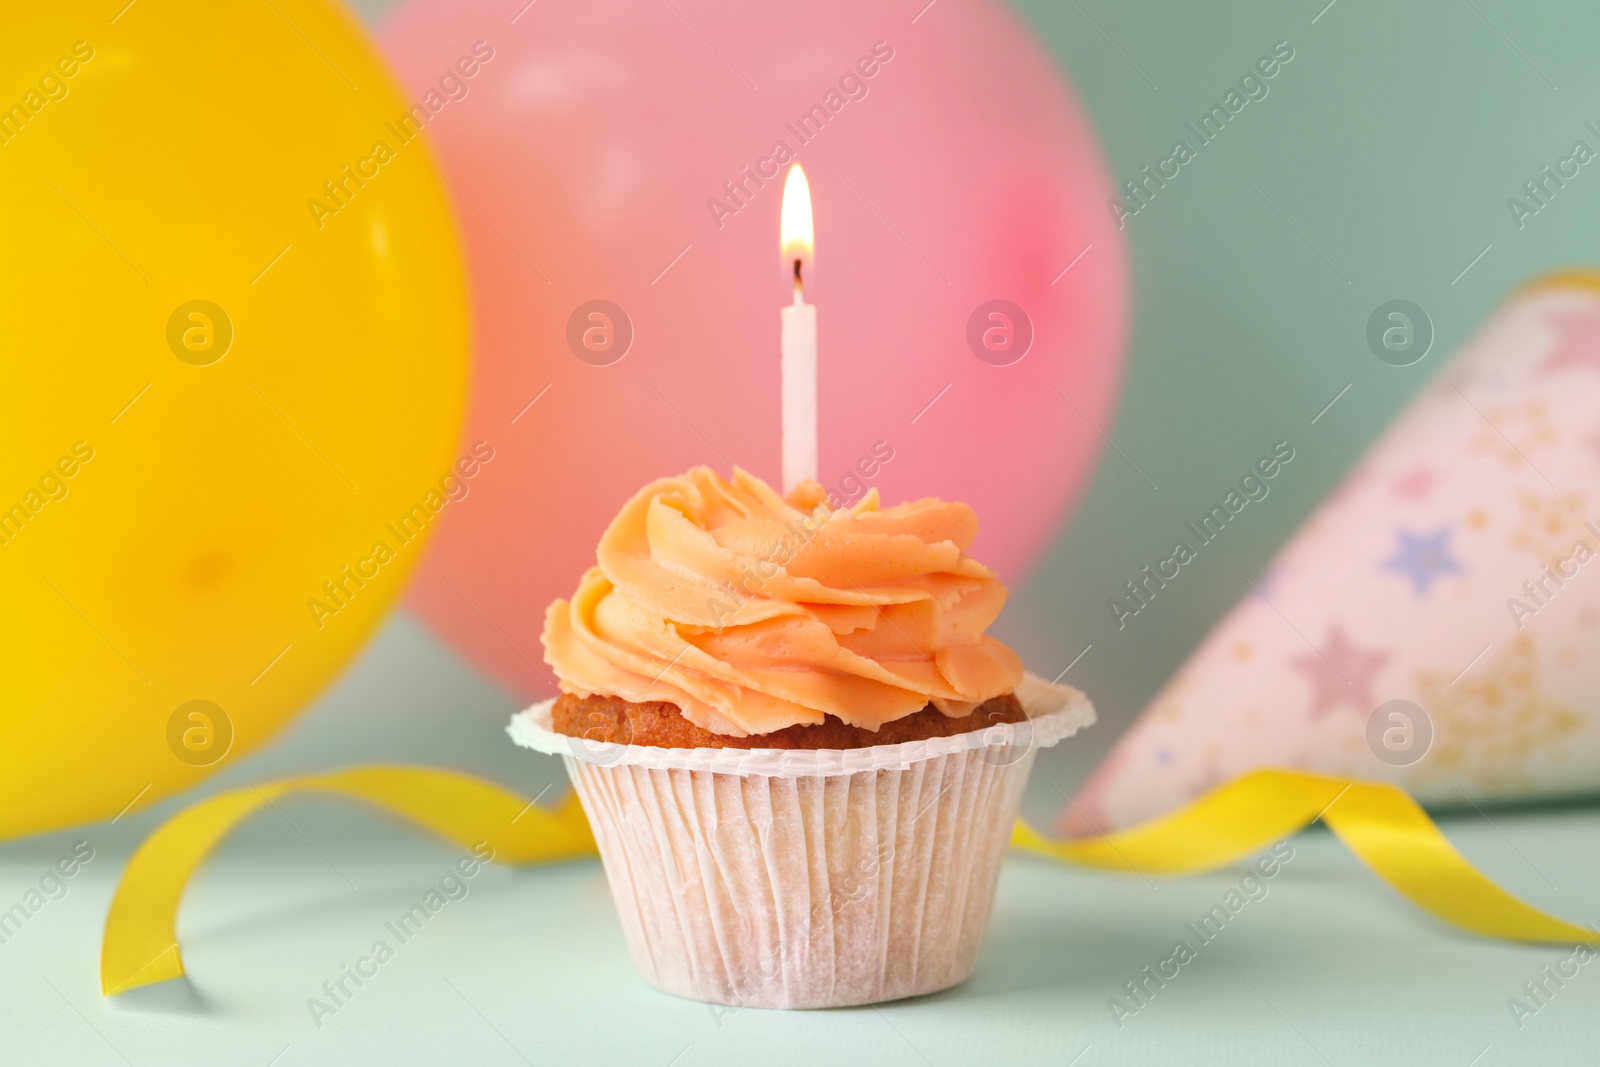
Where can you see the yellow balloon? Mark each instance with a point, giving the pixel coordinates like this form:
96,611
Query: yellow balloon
235,344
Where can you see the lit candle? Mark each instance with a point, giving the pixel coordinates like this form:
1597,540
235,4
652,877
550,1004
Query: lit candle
799,336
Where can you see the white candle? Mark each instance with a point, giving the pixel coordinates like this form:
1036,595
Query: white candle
799,336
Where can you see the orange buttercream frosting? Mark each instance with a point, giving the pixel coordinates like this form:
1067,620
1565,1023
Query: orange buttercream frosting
752,612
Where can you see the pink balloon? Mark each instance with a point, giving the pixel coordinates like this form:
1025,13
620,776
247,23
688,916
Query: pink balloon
589,146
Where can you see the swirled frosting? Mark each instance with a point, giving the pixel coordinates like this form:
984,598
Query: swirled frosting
752,612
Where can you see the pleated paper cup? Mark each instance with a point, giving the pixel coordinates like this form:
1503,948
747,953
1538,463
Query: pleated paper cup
781,878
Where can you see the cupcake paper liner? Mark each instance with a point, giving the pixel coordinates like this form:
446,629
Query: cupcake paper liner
808,879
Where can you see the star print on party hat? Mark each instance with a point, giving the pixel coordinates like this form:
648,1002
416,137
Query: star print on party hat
1457,567
1494,716
1423,558
1577,341
1340,674
1416,484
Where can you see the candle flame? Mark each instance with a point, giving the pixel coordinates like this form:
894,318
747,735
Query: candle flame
794,225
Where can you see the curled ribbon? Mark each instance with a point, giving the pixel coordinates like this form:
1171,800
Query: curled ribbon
140,946
1380,823
1377,821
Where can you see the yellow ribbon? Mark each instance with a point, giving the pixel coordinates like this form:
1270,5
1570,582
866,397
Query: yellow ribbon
141,941
1377,821
1380,823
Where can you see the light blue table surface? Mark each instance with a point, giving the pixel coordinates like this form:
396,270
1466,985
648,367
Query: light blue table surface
1393,147
1330,966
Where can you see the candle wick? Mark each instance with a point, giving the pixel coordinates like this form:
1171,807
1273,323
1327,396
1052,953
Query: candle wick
799,284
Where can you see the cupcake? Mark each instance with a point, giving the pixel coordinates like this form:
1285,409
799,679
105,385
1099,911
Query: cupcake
800,753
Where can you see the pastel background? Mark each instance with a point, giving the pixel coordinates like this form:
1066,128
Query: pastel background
1377,168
